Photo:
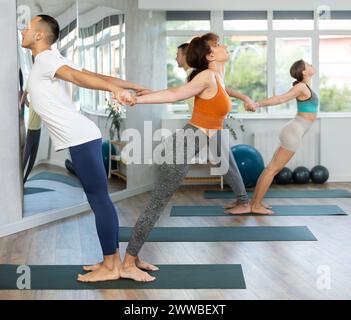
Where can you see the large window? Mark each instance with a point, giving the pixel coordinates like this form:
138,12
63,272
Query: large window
247,68
264,44
188,20
293,20
335,73
287,51
67,44
102,50
245,20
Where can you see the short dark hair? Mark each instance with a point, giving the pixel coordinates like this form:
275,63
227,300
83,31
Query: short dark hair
53,26
183,47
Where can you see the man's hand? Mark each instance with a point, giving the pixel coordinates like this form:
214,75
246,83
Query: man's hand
122,96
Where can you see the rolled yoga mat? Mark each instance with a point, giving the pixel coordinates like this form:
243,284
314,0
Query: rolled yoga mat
223,234
289,193
281,210
168,277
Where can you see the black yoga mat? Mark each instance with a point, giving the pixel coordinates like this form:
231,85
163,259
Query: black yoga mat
280,210
288,193
64,277
224,234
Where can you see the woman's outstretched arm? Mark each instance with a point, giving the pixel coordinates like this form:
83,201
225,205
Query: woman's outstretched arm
249,104
293,93
184,92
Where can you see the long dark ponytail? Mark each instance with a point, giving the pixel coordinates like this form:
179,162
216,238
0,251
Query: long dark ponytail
296,71
197,51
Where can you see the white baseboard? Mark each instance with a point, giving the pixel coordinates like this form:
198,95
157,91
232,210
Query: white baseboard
54,215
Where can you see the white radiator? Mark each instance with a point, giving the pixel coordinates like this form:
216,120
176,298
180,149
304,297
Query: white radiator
267,143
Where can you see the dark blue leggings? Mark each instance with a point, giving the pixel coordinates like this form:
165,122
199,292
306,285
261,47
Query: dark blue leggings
89,167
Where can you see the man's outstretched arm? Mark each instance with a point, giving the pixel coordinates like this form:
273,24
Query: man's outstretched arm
120,83
90,81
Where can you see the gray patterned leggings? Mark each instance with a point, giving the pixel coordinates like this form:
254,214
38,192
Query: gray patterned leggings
170,177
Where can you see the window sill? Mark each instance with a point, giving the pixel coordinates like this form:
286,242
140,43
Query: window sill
96,113
245,116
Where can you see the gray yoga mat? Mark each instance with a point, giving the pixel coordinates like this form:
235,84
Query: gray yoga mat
28,191
46,175
288,193
223,234
280,210
168,277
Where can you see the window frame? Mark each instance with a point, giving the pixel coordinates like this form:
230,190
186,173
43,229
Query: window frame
107,40
217,26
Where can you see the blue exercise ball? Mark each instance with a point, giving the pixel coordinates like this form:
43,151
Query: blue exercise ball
249,162
106,154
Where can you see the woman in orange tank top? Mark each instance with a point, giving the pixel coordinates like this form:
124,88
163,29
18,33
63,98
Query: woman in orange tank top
212,104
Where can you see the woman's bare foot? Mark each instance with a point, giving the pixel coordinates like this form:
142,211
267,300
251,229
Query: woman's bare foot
233,204
134,273
145,266
101,274
239,209
260,209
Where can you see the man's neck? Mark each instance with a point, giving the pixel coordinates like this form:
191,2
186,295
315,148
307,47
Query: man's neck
186,68
40,49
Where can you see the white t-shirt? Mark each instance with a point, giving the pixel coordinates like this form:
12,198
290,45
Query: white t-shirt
52,102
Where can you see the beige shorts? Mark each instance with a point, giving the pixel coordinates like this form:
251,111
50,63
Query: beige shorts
291,135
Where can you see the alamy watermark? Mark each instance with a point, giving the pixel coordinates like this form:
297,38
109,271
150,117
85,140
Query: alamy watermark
23,17
187,146
24,280
324,277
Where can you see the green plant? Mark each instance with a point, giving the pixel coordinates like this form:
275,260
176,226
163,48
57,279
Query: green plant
115,114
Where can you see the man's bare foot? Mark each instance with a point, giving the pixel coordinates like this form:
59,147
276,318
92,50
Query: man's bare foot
116,262
239,209
134,273
260,209
145,266
92,267
233,204
101,274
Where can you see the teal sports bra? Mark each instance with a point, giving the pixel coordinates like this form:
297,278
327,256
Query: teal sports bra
309,105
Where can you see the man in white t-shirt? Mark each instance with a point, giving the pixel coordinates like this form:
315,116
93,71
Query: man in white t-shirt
70,129
181,60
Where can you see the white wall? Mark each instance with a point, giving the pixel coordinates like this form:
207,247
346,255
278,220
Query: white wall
336,147
10,172
333,149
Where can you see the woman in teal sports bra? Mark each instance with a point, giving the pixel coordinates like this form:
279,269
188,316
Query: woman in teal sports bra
292,133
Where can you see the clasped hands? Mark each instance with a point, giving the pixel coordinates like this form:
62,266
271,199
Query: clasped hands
250,105
128,98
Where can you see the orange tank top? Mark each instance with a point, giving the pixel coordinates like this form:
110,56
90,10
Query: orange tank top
210,113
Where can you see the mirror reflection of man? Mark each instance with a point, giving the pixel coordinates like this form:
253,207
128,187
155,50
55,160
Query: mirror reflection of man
32,139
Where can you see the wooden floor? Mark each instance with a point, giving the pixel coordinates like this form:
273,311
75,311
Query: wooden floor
273,270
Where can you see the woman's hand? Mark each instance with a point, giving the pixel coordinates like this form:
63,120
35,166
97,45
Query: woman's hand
250,105
143,91
123,96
